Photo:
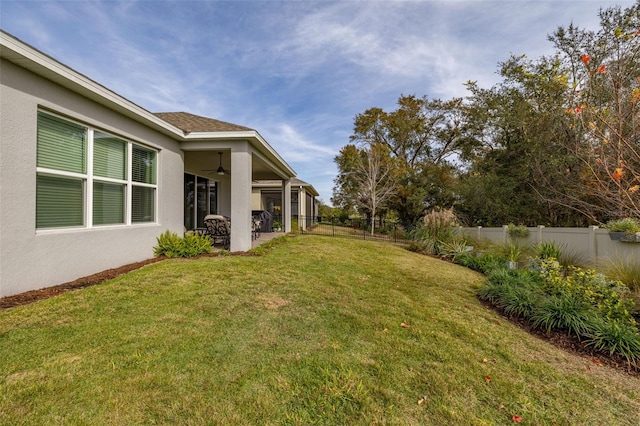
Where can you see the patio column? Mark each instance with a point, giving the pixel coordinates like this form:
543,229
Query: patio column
240,197
286,205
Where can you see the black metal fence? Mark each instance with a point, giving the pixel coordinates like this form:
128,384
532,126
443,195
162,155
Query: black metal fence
385,231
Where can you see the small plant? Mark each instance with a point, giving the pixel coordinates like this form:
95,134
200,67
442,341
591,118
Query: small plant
437,227
168,244
563,312
615,337
625,270
517,231
548,250
453,249
628,225
171,245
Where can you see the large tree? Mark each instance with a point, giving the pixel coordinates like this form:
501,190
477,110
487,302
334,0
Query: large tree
602,79
420,136
371,180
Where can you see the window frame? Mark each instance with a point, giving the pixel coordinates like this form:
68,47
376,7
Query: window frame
89,178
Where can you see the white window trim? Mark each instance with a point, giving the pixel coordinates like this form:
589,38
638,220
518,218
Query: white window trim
88,178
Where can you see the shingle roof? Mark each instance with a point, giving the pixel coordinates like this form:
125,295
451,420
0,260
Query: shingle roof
190,123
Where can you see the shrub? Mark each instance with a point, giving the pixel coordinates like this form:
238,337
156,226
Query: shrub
168,244
588,286
517,231
548,250
171,245
615,337
512,251
437,227
482,262
562,312
627,225
453,249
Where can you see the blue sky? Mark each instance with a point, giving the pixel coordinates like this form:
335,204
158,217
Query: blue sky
296,71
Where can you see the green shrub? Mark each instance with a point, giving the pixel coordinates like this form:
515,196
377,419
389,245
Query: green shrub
437,227
615,337
562,312
454,248
627,225
171,245
548,250
194,245
512,251
168,244
517,231
482,262
520,301
580,302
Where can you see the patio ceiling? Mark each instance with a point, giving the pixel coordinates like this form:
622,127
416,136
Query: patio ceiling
204,163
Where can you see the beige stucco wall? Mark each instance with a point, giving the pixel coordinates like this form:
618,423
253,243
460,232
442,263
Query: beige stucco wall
31,259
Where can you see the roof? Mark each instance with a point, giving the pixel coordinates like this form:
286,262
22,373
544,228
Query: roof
189,130
190,123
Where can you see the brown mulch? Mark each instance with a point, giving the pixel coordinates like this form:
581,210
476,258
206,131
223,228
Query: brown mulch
572,344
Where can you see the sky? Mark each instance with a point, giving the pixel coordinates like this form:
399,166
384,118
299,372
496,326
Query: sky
298,72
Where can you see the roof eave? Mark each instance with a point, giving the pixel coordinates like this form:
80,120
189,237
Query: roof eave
30,58
252,136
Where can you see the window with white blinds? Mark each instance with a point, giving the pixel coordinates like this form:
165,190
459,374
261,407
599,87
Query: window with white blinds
88,178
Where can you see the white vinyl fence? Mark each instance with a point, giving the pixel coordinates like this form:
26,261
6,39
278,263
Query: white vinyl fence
593,243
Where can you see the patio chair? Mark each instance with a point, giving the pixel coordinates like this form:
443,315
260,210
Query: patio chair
218,229
256,224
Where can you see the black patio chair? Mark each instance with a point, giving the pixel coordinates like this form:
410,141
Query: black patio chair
219,230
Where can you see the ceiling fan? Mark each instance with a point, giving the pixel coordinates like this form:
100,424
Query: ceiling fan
220,170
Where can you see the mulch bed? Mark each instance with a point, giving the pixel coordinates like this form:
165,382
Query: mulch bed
572,344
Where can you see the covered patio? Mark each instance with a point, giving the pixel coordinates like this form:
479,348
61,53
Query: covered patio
221,161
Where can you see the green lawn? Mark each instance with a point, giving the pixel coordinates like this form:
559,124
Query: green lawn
309,333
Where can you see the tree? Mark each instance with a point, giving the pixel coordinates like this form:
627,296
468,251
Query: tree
374,180
421,137
366,179
602,72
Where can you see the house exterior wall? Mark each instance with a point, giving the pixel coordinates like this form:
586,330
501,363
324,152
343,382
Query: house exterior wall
31,259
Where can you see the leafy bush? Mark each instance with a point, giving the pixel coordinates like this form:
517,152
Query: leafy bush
608,296
517,231
627,225
481,262
168,244
455,248
580,302
171,245
512,251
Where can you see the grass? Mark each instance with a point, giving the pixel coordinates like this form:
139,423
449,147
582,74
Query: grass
308,333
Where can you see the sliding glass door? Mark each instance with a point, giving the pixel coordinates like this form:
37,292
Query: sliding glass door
200,199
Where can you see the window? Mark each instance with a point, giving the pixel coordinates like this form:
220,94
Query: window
89,178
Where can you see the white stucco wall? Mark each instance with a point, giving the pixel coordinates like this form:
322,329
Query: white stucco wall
31,259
